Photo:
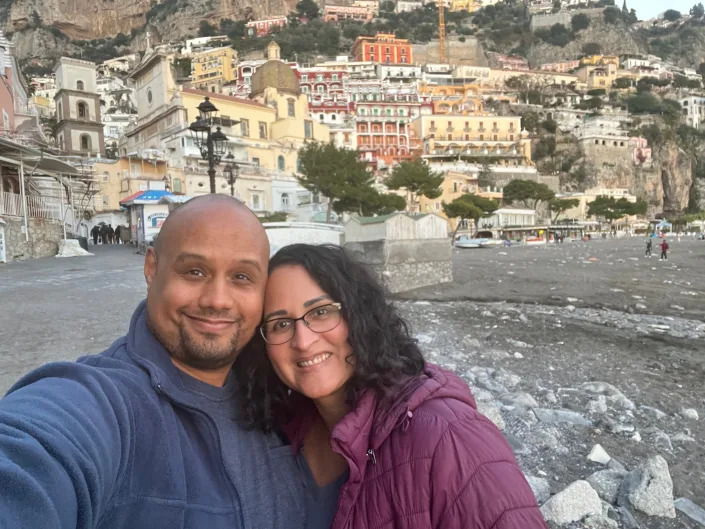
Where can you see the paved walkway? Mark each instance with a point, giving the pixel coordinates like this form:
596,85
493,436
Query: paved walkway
60,309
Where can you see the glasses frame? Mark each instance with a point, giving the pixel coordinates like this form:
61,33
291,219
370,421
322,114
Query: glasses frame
339,306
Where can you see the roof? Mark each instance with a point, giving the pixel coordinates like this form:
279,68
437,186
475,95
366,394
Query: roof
174,199
275,74
151,196
215,97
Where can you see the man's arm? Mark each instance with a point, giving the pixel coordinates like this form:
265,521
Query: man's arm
64,439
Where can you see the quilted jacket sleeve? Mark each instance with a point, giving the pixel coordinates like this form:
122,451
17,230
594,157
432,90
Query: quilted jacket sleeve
476,481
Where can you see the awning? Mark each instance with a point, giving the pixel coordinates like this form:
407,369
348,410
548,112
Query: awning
15,153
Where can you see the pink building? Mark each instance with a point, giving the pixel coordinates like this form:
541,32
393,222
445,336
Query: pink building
336,13
641,152
507,62
561,67
260,28
320,84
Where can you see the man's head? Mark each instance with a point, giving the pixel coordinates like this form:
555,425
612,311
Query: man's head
206,277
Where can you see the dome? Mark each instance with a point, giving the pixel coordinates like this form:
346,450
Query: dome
274,74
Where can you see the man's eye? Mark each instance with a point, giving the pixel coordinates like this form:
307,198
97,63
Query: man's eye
196,272
242,277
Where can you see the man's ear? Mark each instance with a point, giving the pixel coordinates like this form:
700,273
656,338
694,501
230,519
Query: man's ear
150,265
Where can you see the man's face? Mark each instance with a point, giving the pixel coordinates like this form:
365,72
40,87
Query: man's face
206,284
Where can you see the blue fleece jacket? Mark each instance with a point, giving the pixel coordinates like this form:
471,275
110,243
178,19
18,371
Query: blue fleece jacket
116,440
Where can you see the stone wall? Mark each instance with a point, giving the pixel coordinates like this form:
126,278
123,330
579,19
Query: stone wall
468,53
406,265
44,237
548,20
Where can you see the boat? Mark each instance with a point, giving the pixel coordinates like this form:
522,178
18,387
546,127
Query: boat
465,241
492,243
535,241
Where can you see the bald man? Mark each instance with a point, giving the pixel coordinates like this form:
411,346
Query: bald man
145,435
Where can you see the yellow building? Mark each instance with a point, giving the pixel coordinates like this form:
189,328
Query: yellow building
596,77
211,69
474,138
599,60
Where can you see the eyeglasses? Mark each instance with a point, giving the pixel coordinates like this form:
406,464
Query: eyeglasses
318,319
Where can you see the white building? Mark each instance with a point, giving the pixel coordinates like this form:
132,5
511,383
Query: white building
694,110
399,73
508,216
192,46
407,5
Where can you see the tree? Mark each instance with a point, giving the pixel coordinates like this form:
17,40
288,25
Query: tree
206,30
307,9
485,176
671,15
644,103
556,6
558,206
579,22
592,48
611,209
612,15
530,121
336,173
697,11
528,192
469,206
417,178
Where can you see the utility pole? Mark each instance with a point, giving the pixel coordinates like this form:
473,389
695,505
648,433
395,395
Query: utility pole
441,30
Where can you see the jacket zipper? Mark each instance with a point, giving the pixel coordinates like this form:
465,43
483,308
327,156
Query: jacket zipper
213,427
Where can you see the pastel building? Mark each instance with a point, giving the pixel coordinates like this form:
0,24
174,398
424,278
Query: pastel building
383,48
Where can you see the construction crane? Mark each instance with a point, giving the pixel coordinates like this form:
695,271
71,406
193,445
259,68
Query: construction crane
441,31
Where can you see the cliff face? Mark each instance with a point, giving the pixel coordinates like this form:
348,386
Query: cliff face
94,19
665,186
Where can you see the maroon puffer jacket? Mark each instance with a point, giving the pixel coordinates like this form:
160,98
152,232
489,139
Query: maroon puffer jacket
429,461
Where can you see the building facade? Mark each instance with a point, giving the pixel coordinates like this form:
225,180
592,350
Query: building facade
383,48
262,27
211,69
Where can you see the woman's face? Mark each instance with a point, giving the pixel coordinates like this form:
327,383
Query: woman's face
313,364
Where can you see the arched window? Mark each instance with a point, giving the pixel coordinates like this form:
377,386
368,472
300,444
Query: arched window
85,142
280,162
285,200
79,85
82,110
176,183
298,165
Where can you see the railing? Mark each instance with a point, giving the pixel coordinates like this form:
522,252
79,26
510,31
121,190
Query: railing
37,207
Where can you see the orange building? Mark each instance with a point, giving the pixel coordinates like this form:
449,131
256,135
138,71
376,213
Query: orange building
383,48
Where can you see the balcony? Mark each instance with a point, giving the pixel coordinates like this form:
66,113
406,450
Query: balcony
37,207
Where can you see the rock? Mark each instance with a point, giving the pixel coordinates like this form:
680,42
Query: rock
600,388
599,455
636,437
571,300
682,438
628,519
507,378
517,343
492,413
491,384
522,399
550,397
677,307
540,487
518,355
572,504
471,343
71,248
487,314
606,483
649,488
662,440
654,413
553,416
516,444
481,395
570,308
692,510
620,402
598,406
690,414
640,306
599,522
545,440
523,318
616,465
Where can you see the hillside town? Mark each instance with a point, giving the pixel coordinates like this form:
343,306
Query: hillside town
106,133
529,191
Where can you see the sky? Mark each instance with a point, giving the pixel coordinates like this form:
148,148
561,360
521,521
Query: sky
646,9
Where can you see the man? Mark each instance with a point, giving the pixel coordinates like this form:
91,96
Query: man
117,234
111,234
648,247
664,251
145,435
94,233
104,234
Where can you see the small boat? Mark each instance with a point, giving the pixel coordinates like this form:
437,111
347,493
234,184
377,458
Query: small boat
535,241
464,241
492,243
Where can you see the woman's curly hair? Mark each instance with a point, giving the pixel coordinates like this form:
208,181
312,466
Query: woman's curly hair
384,353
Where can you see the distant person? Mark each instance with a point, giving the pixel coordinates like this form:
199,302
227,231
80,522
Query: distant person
104,234
111,233
117,235
95,233
383,439
649,246
664,250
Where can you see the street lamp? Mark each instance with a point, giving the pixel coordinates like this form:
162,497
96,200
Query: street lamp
231,172
211,144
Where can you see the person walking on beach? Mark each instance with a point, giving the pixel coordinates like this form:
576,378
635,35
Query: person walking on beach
649,245
664,250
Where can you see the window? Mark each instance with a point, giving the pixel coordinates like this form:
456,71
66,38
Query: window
403,59
82,110
511,137
335,76
5,120
85,142
106,198
79,85
319,77
285,201
245,127
262,130
304,78
106,176
291,108
255,162
280,163
308,129
255,202
320,88
176,184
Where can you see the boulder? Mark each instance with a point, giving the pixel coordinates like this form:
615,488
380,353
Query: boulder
691,510
599,522
540,487
492,413
649,488
606,483
553,416
599,455
690,414
521,400
572,504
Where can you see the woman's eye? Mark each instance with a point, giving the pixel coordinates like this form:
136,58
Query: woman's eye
322,311
281,325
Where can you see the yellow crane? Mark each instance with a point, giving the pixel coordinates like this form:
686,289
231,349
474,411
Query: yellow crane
441,30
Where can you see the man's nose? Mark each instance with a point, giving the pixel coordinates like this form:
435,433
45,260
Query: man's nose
216,295
303,336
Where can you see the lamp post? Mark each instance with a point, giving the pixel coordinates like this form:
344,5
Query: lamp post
211,144
231,172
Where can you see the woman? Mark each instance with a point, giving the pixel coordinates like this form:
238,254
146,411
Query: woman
384,440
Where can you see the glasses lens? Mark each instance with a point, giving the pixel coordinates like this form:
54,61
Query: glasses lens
322,319
279,331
